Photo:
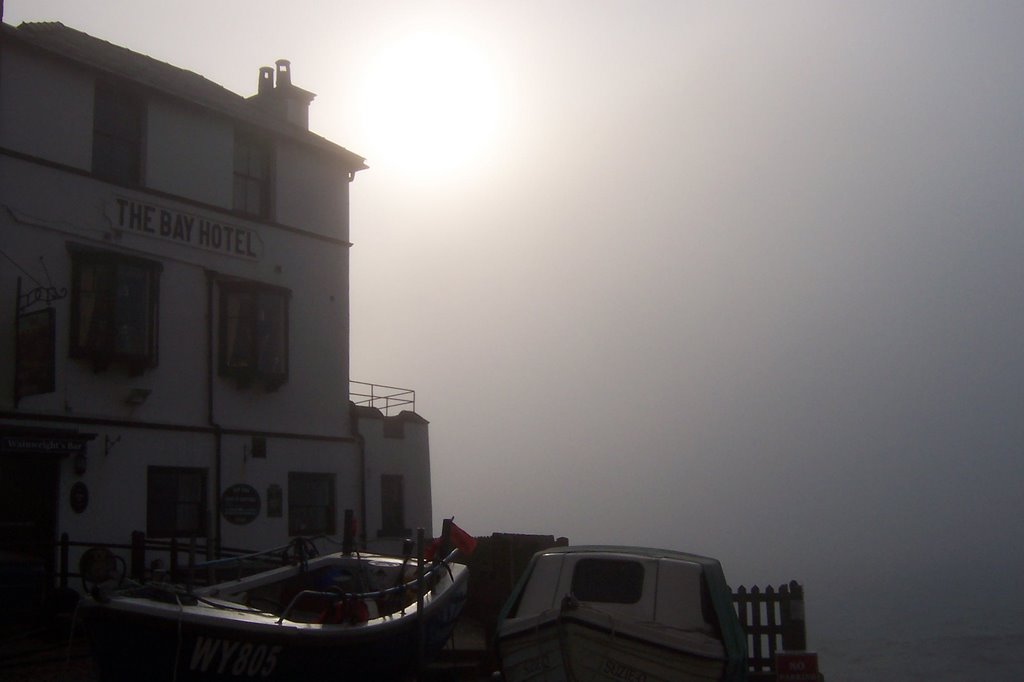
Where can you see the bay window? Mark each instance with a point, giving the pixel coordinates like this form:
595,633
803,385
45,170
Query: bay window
254,333
114,301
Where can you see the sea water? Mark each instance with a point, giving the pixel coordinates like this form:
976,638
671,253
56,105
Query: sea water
940,658
961,636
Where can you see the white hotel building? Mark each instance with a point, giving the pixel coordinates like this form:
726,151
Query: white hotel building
174,326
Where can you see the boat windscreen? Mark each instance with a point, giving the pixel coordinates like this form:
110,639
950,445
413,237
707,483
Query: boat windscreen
608,581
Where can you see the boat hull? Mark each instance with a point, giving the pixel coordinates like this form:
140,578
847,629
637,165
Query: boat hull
558,647
134,639
124,647
598,613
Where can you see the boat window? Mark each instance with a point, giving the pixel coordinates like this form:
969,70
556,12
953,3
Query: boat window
615,581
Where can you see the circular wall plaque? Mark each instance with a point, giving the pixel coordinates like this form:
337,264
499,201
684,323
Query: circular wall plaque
79,497
240,504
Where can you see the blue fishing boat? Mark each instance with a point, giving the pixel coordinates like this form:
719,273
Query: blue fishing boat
339,616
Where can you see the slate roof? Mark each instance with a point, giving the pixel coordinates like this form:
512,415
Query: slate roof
153,74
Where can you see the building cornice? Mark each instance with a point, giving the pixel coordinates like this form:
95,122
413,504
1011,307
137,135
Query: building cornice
167,426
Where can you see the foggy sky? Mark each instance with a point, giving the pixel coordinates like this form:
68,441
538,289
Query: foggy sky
741,281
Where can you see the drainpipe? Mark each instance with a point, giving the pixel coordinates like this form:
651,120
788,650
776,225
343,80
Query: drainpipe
217,439
361,447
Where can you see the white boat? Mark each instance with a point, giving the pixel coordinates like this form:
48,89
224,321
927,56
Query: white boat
595,613
338,616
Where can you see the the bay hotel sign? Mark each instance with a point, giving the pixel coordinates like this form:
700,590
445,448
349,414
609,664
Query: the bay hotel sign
131,215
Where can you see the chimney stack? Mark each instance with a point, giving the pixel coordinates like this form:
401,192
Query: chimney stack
282,99
266,83
284,72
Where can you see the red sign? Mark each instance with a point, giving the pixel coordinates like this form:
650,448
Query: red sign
796,666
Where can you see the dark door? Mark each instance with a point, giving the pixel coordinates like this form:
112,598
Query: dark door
28,504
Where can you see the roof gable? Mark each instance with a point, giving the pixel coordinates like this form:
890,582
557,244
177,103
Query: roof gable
153,74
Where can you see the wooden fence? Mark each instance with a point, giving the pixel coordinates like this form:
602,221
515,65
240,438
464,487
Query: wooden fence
774,621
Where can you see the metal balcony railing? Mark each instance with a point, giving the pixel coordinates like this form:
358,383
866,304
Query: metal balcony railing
384,398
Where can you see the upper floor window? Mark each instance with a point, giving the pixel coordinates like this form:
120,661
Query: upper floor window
114,301
254,333
117,134
251,176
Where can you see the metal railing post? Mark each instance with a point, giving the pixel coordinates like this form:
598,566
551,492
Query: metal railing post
420,621
138,554
64,543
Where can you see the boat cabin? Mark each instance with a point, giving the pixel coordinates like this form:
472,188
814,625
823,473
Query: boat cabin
668,590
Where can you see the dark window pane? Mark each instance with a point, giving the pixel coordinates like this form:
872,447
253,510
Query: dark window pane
240,312
132,310
270,320
251,176
392,504
113,307
176,502
608,580
310,503
117,134
254,332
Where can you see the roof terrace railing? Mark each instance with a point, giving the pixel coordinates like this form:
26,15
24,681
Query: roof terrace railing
384,398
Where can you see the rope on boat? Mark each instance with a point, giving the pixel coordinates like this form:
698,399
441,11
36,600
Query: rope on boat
177,648
71,637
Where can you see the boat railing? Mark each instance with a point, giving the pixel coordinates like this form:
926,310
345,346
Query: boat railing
299,550
415,585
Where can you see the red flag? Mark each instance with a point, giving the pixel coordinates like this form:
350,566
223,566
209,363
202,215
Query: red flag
463,540
457,537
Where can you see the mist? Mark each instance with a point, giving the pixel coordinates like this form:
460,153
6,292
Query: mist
752,290
738,280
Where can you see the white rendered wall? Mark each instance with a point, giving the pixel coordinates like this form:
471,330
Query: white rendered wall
46,113
189,153
408,457
312,191
45,108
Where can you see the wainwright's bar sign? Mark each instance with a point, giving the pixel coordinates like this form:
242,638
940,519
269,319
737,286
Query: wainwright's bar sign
185,228
54,444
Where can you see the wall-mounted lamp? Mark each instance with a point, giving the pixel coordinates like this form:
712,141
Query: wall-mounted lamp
137,396
81,463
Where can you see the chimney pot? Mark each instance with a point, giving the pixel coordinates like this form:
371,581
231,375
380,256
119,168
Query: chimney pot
266,83
284,72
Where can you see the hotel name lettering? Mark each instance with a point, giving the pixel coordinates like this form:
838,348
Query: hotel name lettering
188,229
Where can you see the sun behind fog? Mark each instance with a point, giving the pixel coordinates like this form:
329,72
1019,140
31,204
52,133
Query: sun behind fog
429,105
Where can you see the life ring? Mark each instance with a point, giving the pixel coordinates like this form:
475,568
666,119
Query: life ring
99,565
